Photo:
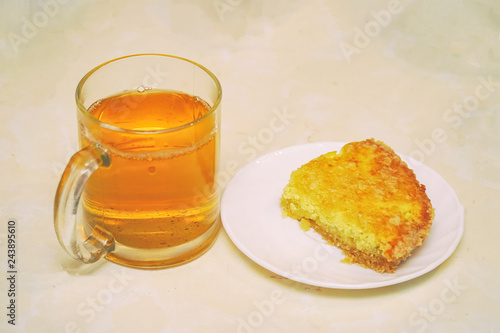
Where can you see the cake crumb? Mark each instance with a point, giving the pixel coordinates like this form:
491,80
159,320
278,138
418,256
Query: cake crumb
305,224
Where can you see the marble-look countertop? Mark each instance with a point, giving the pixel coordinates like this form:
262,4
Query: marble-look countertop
423,76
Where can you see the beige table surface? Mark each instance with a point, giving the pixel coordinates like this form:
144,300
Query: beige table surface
422,76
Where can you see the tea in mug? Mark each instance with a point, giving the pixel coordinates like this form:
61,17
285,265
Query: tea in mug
159,190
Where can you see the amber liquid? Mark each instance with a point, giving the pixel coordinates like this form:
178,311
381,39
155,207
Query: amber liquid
159,191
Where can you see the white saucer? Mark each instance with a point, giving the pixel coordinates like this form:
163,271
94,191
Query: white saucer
252,218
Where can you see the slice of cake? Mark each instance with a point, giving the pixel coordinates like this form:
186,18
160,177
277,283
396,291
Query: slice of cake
364,200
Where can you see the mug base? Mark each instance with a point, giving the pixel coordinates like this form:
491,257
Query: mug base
165,258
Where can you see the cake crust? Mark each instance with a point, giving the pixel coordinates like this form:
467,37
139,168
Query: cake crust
364,200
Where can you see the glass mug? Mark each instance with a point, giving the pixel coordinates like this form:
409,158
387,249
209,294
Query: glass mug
142,190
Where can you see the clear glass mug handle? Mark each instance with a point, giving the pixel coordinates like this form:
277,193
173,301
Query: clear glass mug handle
100,242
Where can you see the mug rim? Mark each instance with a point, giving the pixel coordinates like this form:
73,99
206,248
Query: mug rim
89,116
